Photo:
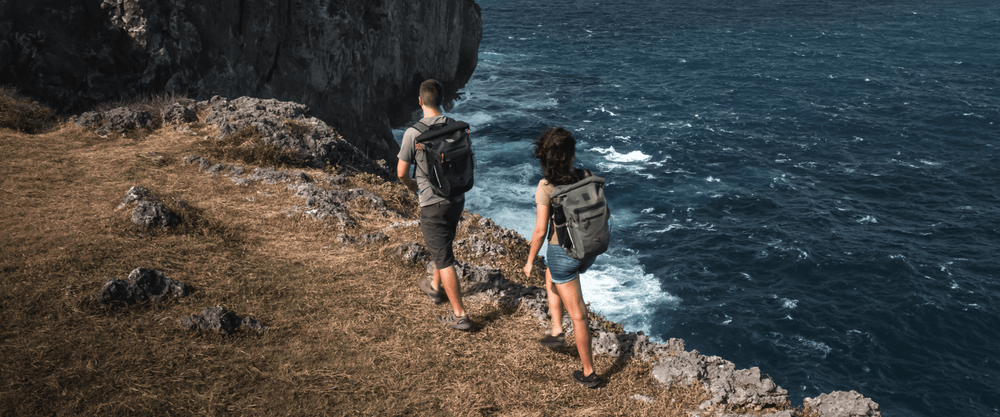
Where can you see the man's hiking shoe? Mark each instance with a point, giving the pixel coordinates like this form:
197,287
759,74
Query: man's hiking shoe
456,322
589,381
437,296
553,342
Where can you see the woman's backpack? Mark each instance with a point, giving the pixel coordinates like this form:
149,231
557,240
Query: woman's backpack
446,156
580,215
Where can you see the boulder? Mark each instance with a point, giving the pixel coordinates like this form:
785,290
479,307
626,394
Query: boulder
141,285
843,404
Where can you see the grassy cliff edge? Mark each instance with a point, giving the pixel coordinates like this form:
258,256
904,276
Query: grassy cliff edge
349,331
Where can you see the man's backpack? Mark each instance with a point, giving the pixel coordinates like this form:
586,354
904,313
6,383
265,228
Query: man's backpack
446,156
580,215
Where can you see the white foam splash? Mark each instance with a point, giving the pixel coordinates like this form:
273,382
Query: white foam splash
618,287
615,156
867,219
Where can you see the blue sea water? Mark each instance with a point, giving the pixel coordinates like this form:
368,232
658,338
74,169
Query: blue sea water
809,187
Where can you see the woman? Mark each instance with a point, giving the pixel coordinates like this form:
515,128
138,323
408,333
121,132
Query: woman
555,150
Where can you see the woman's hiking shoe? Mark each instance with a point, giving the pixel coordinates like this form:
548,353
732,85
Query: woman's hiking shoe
437,296
456,322
589,381
553,342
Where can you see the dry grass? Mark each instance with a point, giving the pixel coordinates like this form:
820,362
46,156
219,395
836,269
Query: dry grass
350,332
23,114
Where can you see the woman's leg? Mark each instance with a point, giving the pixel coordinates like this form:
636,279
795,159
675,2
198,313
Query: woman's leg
555,304
572,298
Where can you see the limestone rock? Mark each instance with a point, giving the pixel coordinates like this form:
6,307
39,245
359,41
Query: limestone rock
844,404
149,211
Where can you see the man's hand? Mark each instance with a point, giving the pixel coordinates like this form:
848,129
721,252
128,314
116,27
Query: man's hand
527,270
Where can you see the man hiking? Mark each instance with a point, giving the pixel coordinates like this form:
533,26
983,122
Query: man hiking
439,214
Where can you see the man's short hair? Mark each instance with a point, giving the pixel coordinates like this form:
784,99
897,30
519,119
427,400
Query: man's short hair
432,93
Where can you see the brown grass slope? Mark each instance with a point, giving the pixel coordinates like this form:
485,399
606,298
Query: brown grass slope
350,332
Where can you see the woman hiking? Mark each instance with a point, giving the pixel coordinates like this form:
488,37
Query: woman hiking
555,150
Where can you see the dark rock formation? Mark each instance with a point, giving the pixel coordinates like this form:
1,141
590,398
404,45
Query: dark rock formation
413,253
149,212
356,63
142,285
220,320
120,120
178,113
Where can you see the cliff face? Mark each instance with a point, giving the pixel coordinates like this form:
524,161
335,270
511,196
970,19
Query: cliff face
357,64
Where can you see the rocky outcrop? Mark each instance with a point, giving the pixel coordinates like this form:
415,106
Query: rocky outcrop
142,285
843,404
221,320
356,64
149,211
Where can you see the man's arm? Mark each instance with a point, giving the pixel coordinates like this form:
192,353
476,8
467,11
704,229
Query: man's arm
403,172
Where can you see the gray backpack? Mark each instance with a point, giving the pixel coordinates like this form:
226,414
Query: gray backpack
580,216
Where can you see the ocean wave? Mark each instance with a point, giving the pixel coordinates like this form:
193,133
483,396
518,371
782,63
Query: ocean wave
615,156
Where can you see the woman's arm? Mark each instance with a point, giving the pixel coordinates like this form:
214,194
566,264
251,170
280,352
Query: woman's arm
538,236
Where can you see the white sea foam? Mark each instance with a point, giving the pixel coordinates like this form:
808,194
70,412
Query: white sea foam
618,287
867,219
615,156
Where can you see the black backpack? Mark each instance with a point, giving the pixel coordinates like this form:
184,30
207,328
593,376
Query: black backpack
446,156
580,215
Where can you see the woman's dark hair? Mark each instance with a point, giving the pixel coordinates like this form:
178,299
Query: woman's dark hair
555,149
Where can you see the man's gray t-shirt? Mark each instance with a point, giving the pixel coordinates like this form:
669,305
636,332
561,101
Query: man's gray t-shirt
408,153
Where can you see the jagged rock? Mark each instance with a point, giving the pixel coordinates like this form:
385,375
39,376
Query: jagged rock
480,247
413,252
142,285
477,278
149,212
357,64
178,113
203,163
744,388
843,404
284,124
220,320
120,120
89,119
216,169
269,175
326,203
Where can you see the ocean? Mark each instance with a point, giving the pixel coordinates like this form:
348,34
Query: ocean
809,187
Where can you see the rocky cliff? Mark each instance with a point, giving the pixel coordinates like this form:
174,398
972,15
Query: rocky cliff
356,64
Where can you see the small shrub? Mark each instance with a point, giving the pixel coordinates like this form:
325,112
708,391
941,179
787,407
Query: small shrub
23,114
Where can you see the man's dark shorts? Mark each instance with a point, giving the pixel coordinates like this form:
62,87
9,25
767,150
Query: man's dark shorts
438,223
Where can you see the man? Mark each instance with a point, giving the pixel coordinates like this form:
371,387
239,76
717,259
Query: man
439,216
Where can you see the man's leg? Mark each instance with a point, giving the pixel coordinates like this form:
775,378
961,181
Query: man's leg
448,278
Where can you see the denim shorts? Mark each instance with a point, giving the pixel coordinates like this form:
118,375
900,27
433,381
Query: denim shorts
563,268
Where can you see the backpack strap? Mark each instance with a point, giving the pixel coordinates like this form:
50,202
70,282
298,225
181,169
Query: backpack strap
421,127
